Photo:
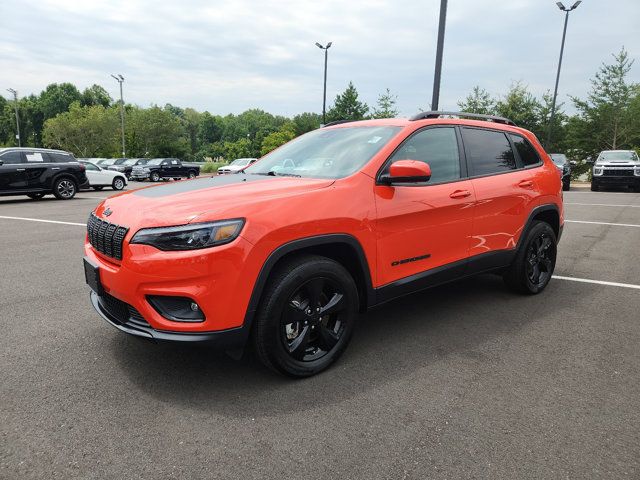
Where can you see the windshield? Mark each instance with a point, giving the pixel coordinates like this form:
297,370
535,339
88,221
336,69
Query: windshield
130,161
633,156
155,161
240,162
325,153
108,161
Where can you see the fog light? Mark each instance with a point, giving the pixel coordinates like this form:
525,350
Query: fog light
177,309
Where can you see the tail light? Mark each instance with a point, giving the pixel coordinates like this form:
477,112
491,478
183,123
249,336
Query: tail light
83,167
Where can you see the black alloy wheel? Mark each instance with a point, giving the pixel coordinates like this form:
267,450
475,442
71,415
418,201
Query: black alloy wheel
306,317
535,260
64,188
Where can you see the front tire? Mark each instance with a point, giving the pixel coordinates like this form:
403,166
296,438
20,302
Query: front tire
64,188
98,188
155,177
566,186
35,196
192,175
118,183
535,260
594,187
306,317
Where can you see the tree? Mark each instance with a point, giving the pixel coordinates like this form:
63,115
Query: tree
386,105
347,106
306,122
210,128
57,98
608,119
89,131
478,101
272,141
155,132
96,95
520,106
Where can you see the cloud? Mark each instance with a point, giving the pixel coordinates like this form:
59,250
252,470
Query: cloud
230,56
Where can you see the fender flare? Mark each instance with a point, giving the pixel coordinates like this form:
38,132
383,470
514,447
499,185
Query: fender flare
298,245
547,207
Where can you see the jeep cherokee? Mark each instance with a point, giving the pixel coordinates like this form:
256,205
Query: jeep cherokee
286,252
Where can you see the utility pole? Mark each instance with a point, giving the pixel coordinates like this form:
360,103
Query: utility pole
435,99
555,90
324,95
15,104
120,80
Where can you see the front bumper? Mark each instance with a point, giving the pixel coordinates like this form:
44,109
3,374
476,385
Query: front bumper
139,176
626,180
132,324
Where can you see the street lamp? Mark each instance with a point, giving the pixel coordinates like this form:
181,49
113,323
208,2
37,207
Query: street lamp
15,104
435,99
555,90
324,95
120,80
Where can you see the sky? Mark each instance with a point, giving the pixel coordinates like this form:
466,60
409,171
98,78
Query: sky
229,56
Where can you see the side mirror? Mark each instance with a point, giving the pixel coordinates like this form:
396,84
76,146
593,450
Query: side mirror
407,171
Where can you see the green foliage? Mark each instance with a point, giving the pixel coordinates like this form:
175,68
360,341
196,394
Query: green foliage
154,132
347,106
211,167
386,105
57,98
609,118
84,131
522,107
272,141
210,128
306,122
96,95
478,101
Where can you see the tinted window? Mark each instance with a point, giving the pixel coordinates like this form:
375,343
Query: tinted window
436,146
174,162
91,166
11,158
488,151
35,157
527,153
60,158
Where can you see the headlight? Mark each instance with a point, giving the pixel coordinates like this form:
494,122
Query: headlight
597,170
637,171
190,237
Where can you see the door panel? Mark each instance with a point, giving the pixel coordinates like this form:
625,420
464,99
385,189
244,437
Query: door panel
12,172
420,228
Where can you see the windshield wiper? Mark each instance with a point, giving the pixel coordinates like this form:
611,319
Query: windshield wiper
276,174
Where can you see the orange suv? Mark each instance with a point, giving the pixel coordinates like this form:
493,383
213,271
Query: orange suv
286,252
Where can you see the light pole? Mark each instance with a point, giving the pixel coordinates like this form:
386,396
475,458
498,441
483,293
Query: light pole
324,95
15,104
555,90
120,80
435,99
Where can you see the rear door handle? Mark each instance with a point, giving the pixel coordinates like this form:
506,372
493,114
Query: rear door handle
20,169
460,194
55,168
526,184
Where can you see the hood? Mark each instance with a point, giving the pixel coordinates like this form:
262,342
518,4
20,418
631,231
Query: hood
617,163
202,199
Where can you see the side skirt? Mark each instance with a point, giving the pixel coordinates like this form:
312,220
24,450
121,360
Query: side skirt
485,262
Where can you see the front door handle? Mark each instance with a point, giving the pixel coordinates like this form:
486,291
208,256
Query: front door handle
526,184
460,194
55,168
20,169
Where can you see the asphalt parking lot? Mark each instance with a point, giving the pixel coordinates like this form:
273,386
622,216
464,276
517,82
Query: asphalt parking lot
464,381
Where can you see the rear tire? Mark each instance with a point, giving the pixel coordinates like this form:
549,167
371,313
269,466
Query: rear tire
192,174
35,196
535,260
566,186
155,177
64,188
118,183
306,317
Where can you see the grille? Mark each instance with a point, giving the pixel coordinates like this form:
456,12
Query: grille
618,173
106,237
122,312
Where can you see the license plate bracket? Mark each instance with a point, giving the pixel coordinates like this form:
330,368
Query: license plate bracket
92,276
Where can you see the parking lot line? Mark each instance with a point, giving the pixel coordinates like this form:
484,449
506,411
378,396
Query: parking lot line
602,205
604,223
598,282
43,221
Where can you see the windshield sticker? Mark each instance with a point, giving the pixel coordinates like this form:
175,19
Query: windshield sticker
34,157
374,139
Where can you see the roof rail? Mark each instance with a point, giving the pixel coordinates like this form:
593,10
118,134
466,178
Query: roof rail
337,122
478,116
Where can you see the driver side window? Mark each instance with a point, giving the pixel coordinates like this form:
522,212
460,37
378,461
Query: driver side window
436,146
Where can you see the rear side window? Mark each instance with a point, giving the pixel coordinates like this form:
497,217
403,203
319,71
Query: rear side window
527,153
60,158
488,151
436,146
11,158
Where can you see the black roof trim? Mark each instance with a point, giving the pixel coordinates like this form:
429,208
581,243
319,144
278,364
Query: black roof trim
476,116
